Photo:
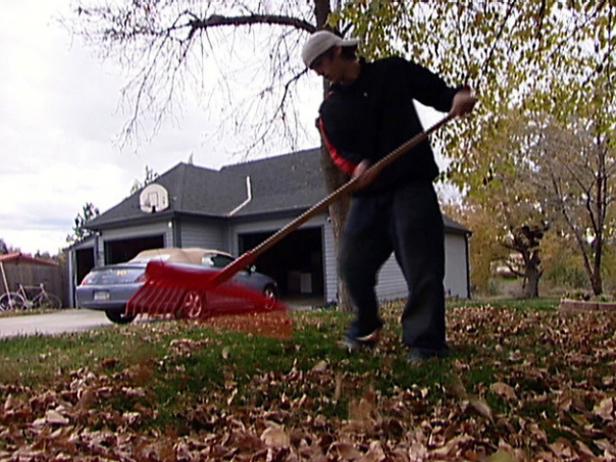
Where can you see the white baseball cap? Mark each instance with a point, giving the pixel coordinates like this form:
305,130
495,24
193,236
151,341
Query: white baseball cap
320,42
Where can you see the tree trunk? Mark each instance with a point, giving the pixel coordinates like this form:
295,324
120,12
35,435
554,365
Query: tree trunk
596,278
531,289
532,273
333,177
596,281
337,214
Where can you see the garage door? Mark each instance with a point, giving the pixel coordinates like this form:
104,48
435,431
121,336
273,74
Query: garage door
296,262
120,250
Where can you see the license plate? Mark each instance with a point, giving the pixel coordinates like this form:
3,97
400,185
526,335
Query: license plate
101,295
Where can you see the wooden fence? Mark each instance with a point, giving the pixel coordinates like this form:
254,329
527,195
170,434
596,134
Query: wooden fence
29,274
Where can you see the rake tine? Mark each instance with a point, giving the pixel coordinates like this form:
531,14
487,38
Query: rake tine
166,307
149,295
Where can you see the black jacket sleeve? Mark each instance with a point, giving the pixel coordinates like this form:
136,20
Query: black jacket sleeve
426,87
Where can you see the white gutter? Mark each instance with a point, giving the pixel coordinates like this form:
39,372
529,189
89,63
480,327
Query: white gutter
248,198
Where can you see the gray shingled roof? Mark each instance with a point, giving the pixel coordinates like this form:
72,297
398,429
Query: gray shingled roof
280,183
287,182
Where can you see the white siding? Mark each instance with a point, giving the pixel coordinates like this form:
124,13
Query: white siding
330,263
456,276
390,282
205,235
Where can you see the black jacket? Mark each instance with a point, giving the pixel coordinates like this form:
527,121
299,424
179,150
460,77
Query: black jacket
375,114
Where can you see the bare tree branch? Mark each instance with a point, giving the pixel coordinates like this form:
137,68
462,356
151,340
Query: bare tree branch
253,19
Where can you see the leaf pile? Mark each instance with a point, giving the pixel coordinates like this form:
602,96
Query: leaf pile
521,386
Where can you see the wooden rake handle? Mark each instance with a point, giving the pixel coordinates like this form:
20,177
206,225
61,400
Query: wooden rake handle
248,257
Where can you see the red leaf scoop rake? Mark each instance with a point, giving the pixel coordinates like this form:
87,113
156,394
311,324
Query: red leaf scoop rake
191,293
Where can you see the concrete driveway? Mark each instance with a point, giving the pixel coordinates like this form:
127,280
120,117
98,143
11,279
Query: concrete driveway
75,320
52,323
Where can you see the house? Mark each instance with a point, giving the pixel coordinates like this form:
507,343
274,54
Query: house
237,207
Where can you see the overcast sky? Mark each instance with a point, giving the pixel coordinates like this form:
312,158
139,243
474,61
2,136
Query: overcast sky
59,124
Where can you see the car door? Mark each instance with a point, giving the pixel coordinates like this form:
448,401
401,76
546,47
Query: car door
220,303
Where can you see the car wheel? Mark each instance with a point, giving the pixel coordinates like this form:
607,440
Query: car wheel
271,297
119,317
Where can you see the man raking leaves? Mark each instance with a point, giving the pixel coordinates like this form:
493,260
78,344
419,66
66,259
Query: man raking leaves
367,113
391,205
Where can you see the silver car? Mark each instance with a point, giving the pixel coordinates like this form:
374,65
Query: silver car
108,288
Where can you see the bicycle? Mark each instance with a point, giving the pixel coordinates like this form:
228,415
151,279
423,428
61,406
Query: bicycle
20,300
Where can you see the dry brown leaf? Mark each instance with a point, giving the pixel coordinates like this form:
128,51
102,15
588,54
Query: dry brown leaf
503,390
338,389
133,392
231,397
87,399
360,410
501,456
275,436
453,445
606,446
40,422
482,408
346,451
457,388
11,403
585,450
321,366
417,452
537,432
55,418
131,418
375,453
109,363
312,452
563,449
605,409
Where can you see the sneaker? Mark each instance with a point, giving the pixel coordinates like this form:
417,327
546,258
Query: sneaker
418,356
353,344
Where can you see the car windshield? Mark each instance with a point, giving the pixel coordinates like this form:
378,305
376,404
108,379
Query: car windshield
216,261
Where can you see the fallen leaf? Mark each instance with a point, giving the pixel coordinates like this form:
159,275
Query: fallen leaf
134,392
562,449
10,403
503,390
338,389
346,451
585,449
87,399
605,409
131,418
375,453
456,387
501,456
360,410
321,366
275,436
231,397
109,363
54,417
482,408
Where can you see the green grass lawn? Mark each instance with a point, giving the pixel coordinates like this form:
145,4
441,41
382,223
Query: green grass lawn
525,382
